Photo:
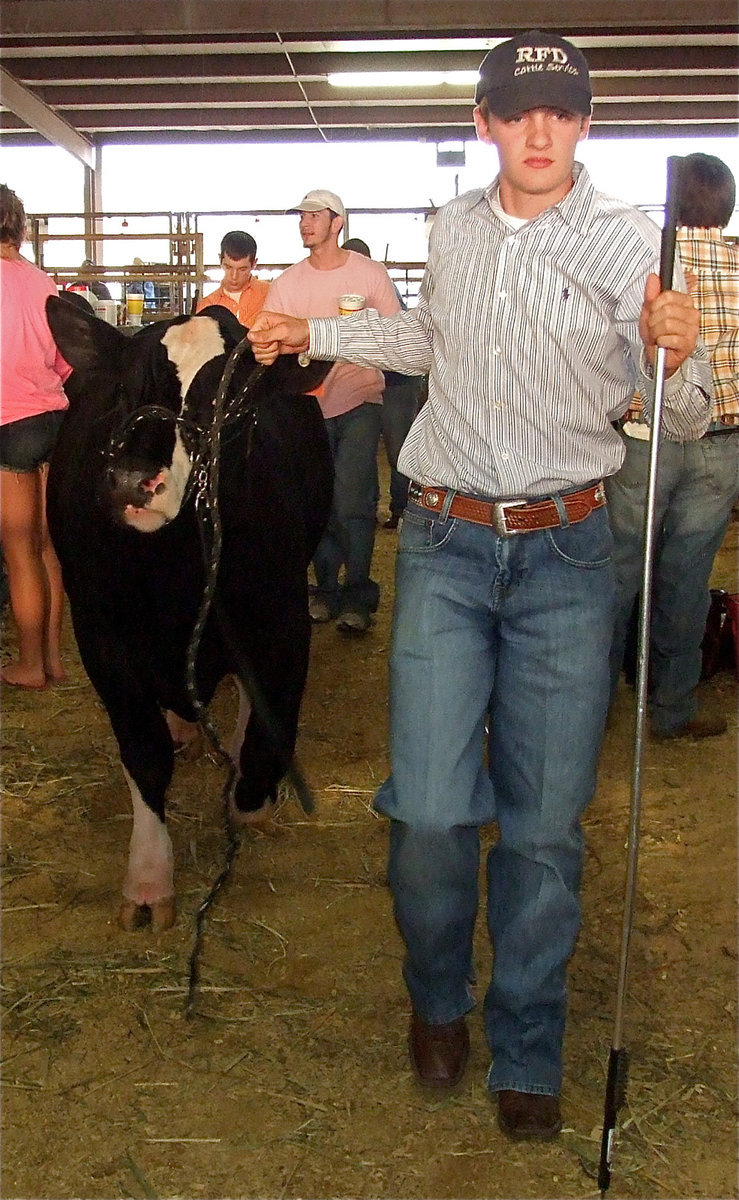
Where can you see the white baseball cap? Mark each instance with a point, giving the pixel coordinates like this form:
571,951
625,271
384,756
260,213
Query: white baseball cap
318,199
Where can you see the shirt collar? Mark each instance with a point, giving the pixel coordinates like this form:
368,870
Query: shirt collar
243,289
579,205
576,208
700,233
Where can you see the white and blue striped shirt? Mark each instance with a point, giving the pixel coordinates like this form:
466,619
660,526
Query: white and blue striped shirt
530,338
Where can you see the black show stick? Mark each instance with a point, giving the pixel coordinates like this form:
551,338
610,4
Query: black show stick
617,1077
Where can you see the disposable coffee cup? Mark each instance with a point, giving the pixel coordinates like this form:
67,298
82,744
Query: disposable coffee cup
106,310
135,307
350,303
84,292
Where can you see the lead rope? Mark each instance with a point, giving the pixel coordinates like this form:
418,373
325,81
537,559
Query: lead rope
209,521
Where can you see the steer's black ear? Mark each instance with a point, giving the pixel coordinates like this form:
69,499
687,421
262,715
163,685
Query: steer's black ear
84,340
287,376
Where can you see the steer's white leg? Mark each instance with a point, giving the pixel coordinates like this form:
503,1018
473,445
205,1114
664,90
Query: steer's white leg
242,720
237,739
149,881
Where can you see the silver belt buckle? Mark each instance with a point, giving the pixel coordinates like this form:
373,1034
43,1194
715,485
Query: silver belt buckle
499,511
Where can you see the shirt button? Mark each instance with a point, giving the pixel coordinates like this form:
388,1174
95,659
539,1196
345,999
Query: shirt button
504,455
496,350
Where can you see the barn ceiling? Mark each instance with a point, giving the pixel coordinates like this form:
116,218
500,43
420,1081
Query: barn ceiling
143,71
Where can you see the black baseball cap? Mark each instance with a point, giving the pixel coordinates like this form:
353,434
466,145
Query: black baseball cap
534,70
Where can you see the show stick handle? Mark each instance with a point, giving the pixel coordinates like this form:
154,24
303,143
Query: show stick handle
669,229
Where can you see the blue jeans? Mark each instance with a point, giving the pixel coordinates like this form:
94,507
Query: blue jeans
697,484
514,630
349,538
26,444
399,408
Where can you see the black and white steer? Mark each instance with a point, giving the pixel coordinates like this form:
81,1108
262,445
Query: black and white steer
122,516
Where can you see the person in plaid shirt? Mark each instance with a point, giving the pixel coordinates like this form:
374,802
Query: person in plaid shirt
698,482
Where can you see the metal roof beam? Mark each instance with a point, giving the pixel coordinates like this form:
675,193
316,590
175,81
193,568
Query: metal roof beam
412,116
310,135
244,68
40,117
147,46
251,95
43,17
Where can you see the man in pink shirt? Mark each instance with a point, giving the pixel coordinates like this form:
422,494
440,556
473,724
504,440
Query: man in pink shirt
240,292
350,399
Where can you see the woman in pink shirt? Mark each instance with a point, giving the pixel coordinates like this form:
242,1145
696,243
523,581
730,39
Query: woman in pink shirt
32,404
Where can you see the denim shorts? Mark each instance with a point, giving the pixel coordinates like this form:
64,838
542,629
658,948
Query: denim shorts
26,444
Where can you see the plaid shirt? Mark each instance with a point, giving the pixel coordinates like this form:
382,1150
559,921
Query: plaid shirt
715,262
712,266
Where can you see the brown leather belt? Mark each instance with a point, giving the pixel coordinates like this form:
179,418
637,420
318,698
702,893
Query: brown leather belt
511,516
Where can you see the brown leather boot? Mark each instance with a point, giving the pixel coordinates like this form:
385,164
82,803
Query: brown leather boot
438,1053
528,1116
698,728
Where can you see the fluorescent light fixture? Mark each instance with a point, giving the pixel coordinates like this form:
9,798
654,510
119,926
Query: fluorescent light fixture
402,79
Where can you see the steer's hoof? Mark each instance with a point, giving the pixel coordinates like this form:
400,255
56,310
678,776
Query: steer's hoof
160,915
163,913
253,817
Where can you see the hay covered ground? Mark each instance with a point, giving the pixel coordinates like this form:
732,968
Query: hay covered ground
292,1078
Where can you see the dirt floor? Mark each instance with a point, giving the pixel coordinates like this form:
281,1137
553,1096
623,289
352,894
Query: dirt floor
292,1078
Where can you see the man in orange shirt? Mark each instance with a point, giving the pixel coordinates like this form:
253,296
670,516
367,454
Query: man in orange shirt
239,292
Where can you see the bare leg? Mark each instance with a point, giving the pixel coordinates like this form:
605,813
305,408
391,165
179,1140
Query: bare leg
21,521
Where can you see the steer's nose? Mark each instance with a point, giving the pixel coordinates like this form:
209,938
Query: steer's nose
130,488
155,485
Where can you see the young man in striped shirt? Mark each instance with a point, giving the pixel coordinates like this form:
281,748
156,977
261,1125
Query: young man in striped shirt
538,314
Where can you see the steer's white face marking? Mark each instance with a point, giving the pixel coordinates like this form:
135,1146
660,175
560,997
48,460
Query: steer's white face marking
189,347
143,519
166,491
